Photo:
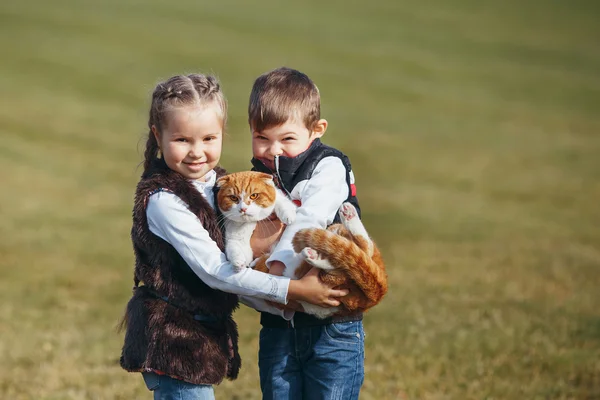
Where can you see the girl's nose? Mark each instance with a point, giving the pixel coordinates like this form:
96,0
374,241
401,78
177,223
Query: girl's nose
195,151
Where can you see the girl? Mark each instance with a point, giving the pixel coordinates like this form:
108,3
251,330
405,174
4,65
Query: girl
180,332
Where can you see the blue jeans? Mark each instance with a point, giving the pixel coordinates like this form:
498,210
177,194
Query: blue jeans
167,388
320,362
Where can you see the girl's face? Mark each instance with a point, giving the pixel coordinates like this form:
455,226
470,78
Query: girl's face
191,140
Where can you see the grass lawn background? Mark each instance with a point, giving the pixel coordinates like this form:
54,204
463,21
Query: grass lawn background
474,132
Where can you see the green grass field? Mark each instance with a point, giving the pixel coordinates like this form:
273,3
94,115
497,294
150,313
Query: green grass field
474,131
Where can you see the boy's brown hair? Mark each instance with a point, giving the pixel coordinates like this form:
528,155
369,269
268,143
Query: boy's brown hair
280,95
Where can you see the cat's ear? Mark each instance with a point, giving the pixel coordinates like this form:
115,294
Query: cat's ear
267,178
222,181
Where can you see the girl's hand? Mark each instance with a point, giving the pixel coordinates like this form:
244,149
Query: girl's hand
312,290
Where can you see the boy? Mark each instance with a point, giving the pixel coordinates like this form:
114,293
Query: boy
301,356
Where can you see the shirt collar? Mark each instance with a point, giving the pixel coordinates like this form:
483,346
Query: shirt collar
210,177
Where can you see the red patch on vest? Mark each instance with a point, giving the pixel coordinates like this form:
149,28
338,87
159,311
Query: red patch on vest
353,189
297,202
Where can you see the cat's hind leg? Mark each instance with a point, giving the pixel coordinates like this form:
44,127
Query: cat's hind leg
315,259
352,222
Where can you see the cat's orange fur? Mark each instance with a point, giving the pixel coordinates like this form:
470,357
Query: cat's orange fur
245,181
358,265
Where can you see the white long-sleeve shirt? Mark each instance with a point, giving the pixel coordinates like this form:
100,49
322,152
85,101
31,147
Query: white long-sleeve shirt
170,219
320,196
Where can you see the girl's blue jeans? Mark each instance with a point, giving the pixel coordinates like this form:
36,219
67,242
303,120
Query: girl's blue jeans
319,362
167,388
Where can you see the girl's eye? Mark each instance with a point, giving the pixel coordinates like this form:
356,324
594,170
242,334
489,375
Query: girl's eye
289,138
253,196
181,139
233,198
209,138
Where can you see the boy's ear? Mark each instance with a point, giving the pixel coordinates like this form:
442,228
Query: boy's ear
319,129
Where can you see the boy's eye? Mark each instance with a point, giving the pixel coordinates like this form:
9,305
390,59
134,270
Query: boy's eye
289,138
209,138
233,198
253,196
181,139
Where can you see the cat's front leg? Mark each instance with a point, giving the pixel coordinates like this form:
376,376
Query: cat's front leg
285,209
237,244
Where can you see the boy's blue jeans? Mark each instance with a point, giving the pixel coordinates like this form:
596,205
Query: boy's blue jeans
167,388
318,362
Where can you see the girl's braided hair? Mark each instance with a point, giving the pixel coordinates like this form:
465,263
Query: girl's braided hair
179,91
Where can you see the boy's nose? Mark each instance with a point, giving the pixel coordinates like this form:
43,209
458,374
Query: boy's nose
275,150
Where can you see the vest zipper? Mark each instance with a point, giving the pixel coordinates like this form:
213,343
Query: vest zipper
279,177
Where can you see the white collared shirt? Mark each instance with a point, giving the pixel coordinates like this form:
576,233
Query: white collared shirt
320,197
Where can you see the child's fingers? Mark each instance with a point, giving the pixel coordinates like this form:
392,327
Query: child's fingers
331,302
338,292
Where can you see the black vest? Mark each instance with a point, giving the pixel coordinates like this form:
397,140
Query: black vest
176,324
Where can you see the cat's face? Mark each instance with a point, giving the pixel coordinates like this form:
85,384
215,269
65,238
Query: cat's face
246,196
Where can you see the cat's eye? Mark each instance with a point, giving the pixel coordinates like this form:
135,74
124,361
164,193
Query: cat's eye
233,198
253,196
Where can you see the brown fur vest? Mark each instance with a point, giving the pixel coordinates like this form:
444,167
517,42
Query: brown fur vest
163,333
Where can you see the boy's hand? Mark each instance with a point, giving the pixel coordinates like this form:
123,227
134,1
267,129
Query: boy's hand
266,233
312,290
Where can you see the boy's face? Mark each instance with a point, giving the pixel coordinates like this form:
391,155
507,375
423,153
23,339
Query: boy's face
288,139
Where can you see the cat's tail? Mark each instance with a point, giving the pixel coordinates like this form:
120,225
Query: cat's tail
367,272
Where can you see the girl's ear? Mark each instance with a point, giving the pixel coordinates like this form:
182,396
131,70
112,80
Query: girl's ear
222,181
319,129
156,135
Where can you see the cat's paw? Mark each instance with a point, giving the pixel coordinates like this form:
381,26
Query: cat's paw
351,221
315,259
239,264
348,212
238,259
287,216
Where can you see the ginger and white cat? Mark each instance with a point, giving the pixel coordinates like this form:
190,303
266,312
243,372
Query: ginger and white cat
346,256
344,252
245,198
